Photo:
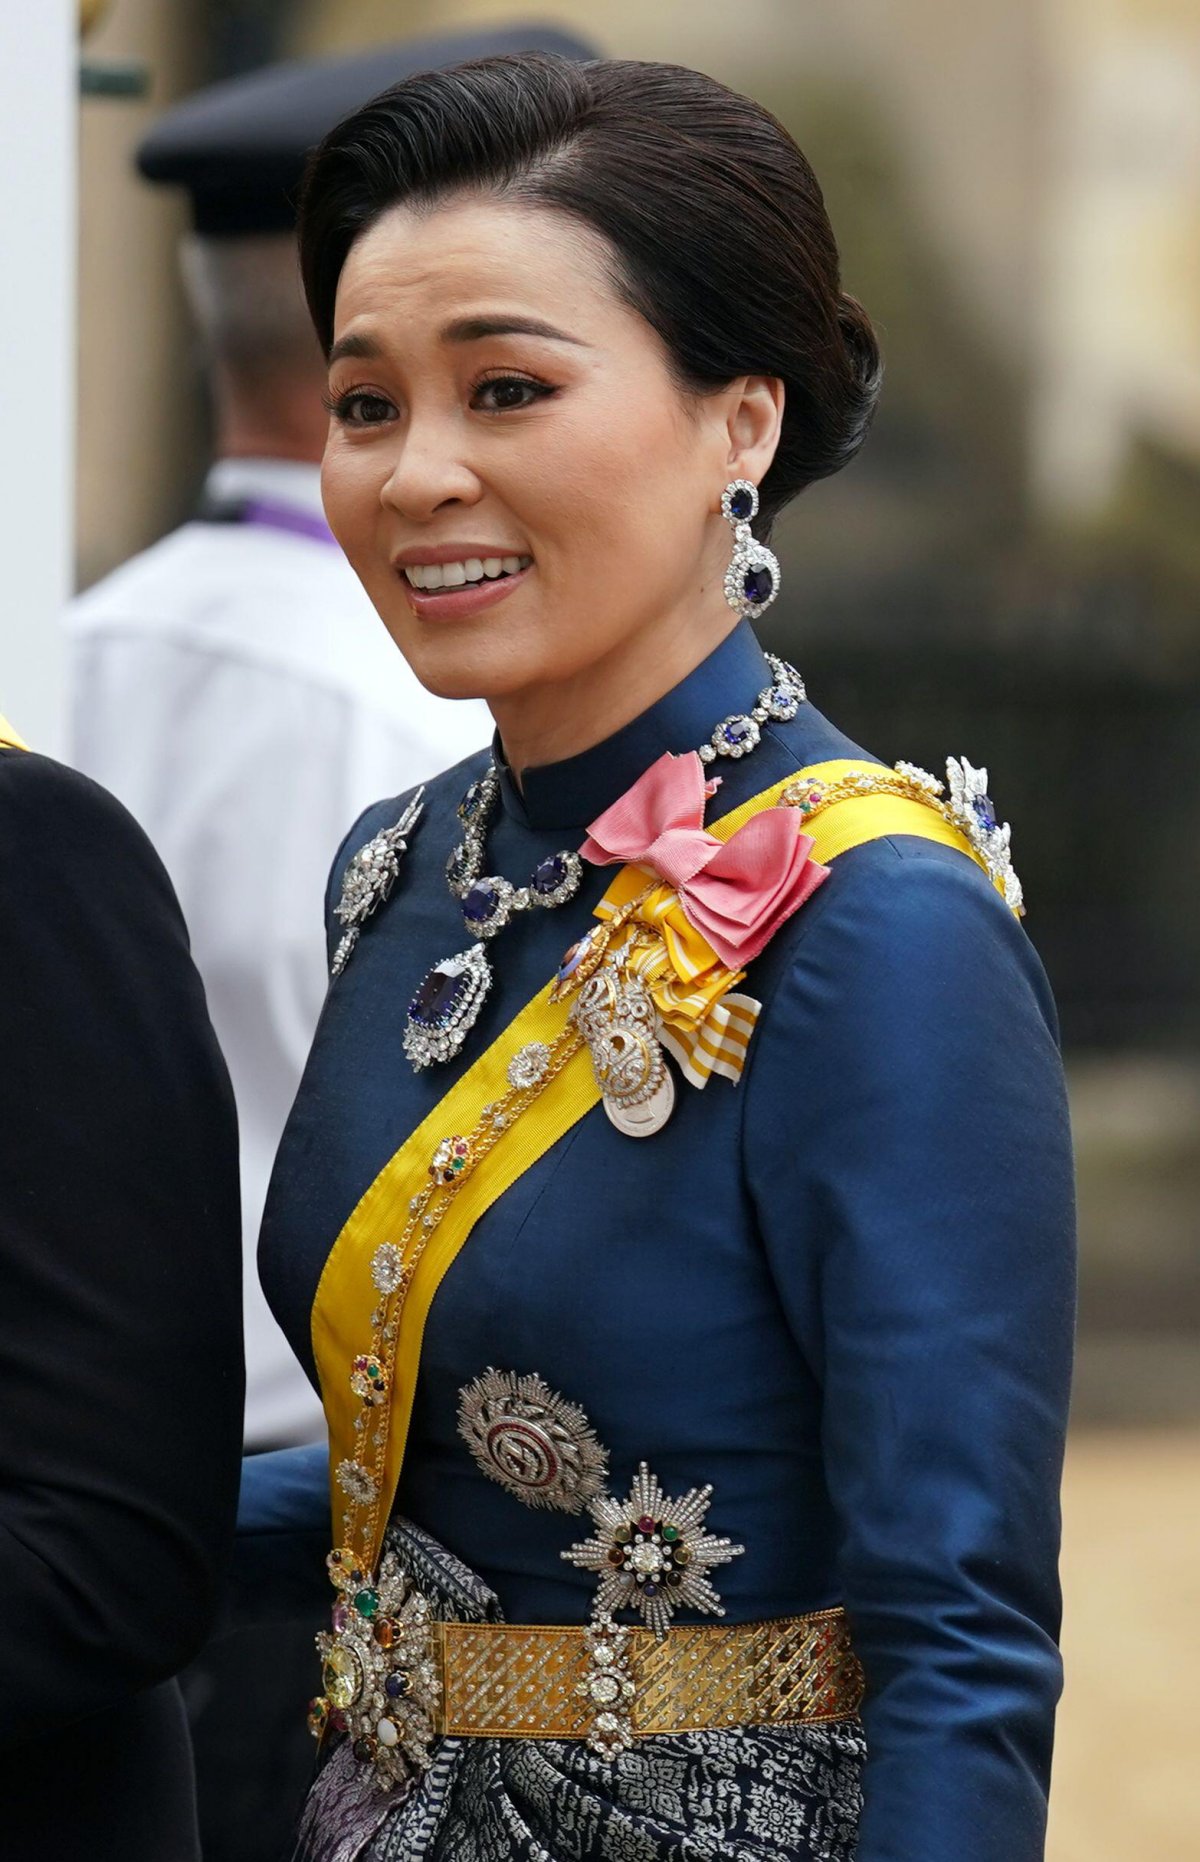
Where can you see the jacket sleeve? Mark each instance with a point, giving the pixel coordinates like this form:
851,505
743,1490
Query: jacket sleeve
908,1147
120,1261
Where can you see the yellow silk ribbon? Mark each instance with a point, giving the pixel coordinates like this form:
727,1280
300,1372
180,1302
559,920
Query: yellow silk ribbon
8,737
346,1296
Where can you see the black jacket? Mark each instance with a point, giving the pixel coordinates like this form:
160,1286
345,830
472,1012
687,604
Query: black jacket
120,1327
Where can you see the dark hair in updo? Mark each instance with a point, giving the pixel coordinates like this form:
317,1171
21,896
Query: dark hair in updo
721,236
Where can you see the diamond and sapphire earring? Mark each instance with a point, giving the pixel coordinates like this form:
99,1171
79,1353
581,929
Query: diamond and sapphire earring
752,579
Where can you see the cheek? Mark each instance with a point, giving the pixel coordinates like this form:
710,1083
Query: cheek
609,481
350,484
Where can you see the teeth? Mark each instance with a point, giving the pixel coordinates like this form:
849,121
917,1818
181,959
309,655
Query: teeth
455,574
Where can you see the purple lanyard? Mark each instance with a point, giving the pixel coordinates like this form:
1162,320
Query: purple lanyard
270,516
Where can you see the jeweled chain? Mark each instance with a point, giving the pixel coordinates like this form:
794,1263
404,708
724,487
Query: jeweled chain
393,1268
394,1264
489,903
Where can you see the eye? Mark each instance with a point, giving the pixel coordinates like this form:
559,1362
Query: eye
359,407
502,394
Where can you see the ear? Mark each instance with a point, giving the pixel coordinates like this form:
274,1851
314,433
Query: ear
755,421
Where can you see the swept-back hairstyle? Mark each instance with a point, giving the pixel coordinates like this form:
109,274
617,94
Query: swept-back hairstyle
716,222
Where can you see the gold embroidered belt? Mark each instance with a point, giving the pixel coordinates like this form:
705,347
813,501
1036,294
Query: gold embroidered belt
517,1681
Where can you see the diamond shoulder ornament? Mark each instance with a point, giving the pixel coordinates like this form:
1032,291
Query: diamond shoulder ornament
971,808
369,877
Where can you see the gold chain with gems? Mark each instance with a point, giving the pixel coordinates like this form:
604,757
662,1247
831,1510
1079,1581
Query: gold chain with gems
906,781
372,1371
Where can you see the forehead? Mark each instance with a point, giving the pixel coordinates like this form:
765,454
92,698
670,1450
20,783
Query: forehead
429,265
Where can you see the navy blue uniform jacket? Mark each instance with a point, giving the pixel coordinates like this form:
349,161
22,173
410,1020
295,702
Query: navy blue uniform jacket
120,1328
841,1291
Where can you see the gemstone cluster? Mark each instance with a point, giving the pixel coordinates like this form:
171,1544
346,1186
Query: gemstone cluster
652,1553
378,1671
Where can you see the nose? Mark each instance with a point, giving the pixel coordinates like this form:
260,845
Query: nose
429,473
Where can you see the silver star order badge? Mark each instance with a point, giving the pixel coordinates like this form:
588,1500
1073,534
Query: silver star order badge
370,876
652,1553
531,1440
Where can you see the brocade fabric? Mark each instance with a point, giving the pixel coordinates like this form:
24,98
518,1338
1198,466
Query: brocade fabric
750,1794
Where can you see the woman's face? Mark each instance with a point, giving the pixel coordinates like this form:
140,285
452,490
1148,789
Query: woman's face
511,467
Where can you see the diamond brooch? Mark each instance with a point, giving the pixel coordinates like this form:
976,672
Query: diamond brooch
356,1482
652,1554
368,879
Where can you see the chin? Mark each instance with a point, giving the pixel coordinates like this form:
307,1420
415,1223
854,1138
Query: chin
458,662
491,657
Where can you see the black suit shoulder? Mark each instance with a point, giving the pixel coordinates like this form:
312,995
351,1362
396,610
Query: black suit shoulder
120,1327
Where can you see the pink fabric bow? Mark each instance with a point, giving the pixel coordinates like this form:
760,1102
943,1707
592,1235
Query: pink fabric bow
736,893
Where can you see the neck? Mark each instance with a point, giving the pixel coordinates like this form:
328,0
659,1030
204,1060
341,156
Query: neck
549,723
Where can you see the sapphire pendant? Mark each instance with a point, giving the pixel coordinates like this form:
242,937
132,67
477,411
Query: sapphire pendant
446,1006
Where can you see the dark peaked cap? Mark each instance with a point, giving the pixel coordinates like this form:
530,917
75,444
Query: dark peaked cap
239,147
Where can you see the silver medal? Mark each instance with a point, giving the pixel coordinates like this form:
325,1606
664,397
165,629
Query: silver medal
616,1015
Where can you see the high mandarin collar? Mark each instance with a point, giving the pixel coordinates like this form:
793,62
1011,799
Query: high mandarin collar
572,793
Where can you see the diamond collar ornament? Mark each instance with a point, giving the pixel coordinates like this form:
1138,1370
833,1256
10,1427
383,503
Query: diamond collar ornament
379,1673
653,1554
368,879
971,808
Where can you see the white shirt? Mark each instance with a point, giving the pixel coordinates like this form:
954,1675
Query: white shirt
235,689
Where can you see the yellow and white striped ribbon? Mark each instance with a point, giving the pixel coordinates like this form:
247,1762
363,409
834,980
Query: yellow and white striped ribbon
706,1027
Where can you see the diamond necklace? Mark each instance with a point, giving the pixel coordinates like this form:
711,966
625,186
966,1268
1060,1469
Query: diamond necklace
451,995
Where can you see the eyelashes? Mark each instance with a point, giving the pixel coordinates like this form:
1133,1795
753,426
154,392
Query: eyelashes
500,393
350,409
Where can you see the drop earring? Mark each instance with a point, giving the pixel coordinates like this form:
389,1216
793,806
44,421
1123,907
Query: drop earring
752,578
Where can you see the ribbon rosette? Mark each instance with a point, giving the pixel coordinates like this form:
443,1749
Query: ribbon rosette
720,904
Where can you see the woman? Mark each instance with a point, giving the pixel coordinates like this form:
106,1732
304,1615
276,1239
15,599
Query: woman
764,1185
120,1326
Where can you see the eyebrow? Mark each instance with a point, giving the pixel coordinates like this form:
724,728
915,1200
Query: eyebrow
462,330
472,329
360,346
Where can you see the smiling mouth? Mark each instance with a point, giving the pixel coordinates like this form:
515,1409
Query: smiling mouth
431,576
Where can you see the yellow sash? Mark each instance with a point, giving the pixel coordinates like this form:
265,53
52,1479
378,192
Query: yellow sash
8,737
345,1297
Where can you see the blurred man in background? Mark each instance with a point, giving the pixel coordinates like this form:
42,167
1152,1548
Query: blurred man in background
234,687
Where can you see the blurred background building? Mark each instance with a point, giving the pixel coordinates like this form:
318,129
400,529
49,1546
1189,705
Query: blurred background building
1012,569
